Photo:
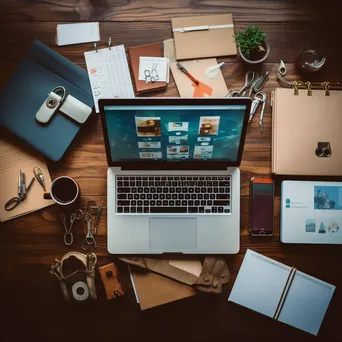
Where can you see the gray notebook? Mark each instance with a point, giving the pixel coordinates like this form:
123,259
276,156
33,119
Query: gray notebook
276,290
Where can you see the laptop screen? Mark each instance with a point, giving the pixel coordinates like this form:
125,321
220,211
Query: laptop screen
174,133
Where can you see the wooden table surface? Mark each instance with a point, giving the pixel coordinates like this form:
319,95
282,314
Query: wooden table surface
30,298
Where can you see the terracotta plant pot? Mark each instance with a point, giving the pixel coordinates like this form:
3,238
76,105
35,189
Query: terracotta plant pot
266,45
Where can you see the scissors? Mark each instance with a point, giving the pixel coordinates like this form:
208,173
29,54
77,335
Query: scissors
250,78
68,236
22,192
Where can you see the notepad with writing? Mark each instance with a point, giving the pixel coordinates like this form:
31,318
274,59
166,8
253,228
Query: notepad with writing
281,292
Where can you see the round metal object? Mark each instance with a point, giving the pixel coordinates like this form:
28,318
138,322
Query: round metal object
82,286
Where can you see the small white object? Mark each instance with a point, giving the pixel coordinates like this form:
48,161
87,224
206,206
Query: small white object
68,34
154,66
213,71
109,74
80,285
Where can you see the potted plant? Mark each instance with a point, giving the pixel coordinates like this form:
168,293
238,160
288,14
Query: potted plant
252,44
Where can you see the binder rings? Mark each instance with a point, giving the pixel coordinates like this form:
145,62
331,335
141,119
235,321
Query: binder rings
281,292
306,131
41,71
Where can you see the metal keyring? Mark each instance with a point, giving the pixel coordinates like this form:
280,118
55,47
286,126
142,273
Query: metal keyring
58,89
79,214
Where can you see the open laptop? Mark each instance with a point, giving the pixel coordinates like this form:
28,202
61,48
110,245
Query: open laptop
173,177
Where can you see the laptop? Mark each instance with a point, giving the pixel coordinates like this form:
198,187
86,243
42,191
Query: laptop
173,182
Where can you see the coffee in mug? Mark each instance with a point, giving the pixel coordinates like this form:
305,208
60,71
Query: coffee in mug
64,191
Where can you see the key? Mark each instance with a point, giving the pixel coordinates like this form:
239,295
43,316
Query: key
221,203
162,210
97,219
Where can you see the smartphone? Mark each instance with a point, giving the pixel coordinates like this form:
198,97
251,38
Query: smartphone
261,217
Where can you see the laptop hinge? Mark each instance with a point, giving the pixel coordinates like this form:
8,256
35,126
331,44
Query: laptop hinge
178,167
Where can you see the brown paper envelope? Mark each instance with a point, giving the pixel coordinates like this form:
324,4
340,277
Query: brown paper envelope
207,43
154,290
196,68
9,188
298,124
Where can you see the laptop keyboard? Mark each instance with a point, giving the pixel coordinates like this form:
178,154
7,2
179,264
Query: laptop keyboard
164,195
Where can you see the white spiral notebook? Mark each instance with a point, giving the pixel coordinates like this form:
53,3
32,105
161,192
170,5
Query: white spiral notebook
281,292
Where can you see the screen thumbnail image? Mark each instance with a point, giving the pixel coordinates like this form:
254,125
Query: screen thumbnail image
209,125
150,155
203,152
177,152
149,144
203,139
148,126
180,140
178,126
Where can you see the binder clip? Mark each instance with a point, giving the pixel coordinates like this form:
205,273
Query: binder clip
110,43
67,104
95,47
308,87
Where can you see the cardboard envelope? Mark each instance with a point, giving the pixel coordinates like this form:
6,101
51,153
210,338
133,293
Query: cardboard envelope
204,36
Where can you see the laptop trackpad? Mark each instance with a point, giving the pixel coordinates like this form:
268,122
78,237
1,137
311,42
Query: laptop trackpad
173,233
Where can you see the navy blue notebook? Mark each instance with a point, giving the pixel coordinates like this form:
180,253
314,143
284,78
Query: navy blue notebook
37,75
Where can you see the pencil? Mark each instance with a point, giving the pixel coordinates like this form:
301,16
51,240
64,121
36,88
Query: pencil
193,79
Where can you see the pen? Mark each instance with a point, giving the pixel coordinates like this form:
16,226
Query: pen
181,68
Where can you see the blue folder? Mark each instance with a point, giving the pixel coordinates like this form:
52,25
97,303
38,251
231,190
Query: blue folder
37,75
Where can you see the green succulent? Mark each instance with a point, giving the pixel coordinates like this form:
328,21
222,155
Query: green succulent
249,39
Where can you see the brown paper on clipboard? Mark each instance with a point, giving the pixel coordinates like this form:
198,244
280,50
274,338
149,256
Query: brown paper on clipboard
215,87
13,159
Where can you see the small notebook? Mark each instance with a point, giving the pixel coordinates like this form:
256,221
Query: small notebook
78,33
281,292
299,123
109,74
134,53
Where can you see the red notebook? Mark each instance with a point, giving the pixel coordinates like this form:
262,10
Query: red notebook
134,53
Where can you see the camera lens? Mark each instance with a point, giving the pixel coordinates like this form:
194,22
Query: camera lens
319,152
326,152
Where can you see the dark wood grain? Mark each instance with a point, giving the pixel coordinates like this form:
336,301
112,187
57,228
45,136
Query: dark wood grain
30,297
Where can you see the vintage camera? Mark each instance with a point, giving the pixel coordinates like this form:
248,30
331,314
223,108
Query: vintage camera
76,275
323,150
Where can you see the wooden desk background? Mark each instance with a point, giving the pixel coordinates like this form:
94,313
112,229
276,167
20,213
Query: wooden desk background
30,297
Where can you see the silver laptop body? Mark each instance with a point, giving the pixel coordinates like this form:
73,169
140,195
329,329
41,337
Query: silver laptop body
173,184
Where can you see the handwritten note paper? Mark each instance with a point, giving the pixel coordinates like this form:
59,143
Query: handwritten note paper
156,69
109,74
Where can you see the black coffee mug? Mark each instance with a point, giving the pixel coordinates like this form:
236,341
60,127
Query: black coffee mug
64,190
